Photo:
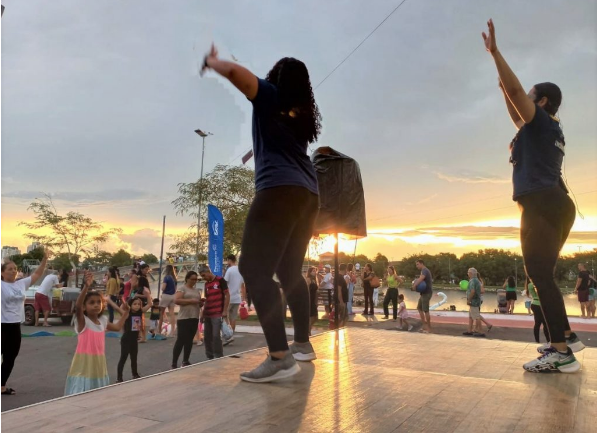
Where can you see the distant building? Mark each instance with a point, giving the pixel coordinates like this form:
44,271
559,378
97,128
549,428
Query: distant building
33,246
8,252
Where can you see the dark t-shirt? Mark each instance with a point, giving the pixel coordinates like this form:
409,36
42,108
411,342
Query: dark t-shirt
343,288
280,158
214,300
133,324
143,282
428,280
537,153
155,313
367,283
584,277
170,285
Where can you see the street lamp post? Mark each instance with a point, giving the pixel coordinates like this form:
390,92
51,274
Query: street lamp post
202,135
515,273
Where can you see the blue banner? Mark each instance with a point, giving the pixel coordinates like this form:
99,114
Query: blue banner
215,222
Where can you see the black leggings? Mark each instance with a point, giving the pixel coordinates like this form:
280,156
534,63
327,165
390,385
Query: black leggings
368,292
539,320
11,345
129,345
391,295
547,217
277,233
187,328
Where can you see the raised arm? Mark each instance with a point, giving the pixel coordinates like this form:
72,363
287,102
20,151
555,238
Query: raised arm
513,90
87,281
518,123
113,304
41,268
243,79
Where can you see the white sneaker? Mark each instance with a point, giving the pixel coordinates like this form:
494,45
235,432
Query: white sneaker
553,361
410,328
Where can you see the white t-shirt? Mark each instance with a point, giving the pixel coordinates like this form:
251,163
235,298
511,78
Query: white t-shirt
46,286
235,281
13,300
327,282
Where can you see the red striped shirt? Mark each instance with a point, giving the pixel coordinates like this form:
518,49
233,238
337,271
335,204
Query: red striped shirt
214,300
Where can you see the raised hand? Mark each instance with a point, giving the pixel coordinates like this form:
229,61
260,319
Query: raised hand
88,278
213,54
490,43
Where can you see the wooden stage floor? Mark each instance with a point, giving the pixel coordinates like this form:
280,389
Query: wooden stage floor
364,381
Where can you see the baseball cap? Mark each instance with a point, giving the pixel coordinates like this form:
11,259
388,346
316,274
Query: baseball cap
328,266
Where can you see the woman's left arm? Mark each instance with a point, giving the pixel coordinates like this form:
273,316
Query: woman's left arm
243,79
511,86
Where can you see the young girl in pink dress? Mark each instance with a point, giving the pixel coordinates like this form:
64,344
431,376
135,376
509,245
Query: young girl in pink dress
88,369
403,314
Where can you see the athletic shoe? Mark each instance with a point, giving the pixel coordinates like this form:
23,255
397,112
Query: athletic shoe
227,342
303,351
572,341
270,370
410,328
553,361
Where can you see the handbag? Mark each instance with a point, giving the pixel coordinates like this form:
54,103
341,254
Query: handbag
243,311
375,282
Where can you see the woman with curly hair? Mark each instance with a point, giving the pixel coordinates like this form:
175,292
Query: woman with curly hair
280,222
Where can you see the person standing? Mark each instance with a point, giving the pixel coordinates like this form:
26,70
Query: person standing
473,300
13,301
129,342
64,278
342,296
392,293
548,213
313,284
582,290
167,301
281,218
236,285
352,279
326,285
368,275
144,292
215,310
511,296
425,295
188,298
112,291
43,297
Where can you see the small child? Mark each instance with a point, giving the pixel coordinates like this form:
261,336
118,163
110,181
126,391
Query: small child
89,369
129,342
403,314
155,317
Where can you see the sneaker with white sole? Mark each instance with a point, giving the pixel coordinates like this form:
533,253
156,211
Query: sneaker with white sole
227,342
270,370
553,361
572,341
303,352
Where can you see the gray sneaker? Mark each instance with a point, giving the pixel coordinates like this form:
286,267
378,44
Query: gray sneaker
573,342
303,351
553,361
270,370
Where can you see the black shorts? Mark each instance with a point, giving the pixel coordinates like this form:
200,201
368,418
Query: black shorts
511,296
583,295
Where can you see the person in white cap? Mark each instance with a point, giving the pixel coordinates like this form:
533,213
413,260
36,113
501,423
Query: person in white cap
327,284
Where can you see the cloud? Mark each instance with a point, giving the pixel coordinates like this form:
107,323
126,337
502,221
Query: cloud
144,241
467,176
105,197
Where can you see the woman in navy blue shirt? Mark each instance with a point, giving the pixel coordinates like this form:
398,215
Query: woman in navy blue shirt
280,222
548,213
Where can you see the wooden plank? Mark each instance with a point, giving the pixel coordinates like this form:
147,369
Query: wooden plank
363,381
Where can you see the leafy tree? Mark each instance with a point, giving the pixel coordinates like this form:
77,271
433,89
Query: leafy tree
149,258
37,254
74,231
380,265
186,244
62,261
121,258
231,189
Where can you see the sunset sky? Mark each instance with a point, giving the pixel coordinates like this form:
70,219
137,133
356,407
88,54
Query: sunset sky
100,100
